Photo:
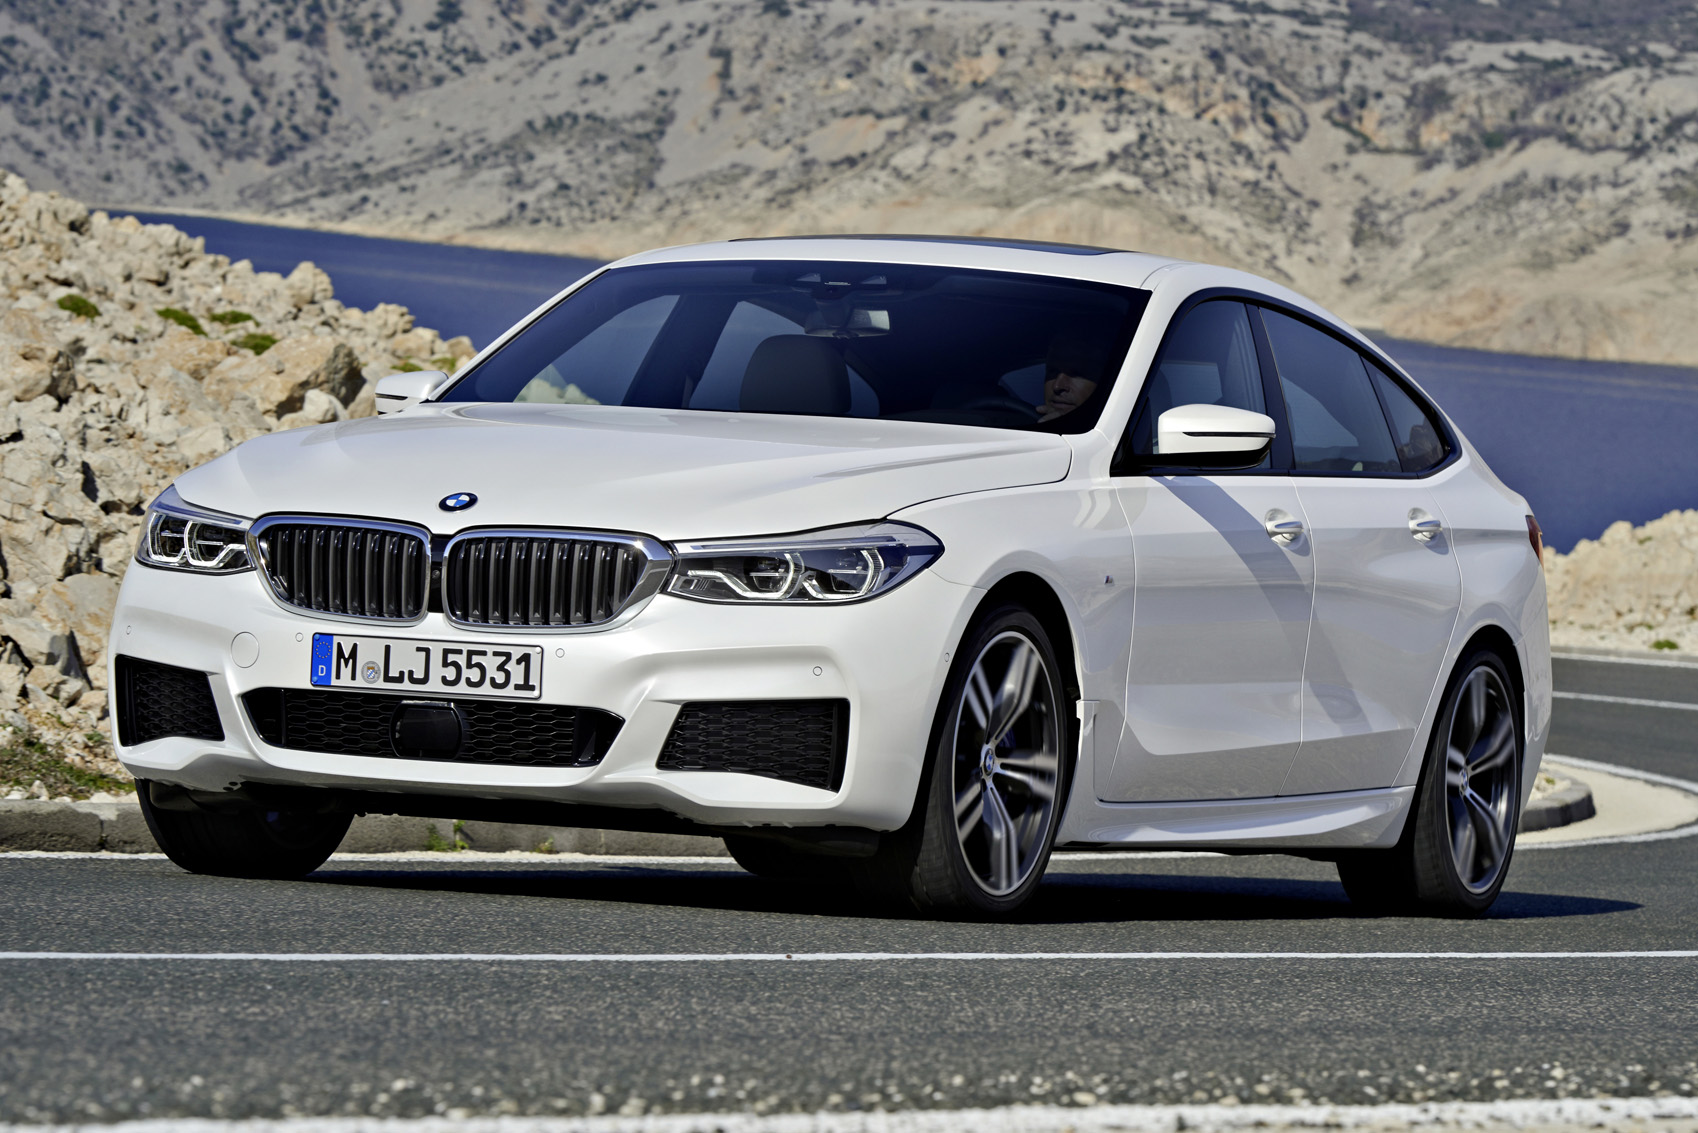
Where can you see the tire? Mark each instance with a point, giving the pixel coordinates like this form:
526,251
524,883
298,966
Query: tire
771,859
1457,845
985,820
278,844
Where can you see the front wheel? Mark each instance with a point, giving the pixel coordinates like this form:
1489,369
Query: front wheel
997,778
250,842
1455,852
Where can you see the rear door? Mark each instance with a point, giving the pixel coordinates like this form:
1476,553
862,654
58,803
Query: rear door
1387,585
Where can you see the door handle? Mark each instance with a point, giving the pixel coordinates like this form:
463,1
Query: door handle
1282,527
1423,526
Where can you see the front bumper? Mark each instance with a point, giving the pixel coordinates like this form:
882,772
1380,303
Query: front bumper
888,657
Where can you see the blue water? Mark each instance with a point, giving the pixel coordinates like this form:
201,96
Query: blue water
1587,443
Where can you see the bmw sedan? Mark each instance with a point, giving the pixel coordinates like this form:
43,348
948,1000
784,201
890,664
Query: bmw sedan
897,563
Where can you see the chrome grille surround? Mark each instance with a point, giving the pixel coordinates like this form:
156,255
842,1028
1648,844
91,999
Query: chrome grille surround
549,579
356,570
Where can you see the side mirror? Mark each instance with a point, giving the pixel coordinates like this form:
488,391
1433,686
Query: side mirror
1213,436
403,391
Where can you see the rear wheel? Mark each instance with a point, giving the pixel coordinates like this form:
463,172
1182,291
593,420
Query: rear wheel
1456,849
250,842
997,778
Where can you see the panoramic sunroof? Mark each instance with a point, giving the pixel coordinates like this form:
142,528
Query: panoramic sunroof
979,241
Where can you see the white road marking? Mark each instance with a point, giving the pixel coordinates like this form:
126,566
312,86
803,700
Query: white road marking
1604,659
1686,785
806,957
1599,697
1520,1113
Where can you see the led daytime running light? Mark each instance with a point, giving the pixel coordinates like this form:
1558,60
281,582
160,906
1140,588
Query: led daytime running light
178,536
823,567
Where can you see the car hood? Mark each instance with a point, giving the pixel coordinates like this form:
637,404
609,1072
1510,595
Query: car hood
666,473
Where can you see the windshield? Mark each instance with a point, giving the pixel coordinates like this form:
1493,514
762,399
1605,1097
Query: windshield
891,341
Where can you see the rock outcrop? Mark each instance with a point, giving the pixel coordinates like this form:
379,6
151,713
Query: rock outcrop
1631,588
128,355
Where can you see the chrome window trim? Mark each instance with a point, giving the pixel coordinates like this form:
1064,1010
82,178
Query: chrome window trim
257,553
653,577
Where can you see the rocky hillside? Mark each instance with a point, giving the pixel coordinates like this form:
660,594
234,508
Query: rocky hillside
128,355
1631,588
1516,174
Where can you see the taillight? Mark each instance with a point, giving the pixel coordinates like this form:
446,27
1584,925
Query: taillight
1536,536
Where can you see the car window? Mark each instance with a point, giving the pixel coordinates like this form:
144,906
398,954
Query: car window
1209,358
823,338
1419,440
599,367
1336,421
750,324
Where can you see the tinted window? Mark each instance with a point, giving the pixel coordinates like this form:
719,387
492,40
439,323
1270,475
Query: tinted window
1209,358
1336,421
825,339
1419,440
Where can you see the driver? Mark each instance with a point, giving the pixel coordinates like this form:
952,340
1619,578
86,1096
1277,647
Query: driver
1071,371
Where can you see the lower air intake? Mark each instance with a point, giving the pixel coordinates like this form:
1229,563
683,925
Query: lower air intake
798,741
464,730
155,701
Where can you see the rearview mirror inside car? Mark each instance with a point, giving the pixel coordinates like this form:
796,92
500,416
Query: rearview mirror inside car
403,391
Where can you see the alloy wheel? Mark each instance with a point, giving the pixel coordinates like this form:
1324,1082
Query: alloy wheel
1480,779
1007,762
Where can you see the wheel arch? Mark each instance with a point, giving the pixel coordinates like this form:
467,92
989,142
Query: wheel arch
1037,595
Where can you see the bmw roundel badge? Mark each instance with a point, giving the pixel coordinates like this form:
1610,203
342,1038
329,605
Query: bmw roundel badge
459,501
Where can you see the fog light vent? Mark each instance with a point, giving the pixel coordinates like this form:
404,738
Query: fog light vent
798,741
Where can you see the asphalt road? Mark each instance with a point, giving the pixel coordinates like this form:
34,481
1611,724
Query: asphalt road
409,1034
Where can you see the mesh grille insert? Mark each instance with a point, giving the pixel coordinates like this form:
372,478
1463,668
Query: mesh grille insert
346,568
155,701
798,741
339,722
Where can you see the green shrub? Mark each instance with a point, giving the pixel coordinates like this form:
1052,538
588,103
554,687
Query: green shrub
408,368
230,318
446,363
182,319
79,307
257,342
1665,643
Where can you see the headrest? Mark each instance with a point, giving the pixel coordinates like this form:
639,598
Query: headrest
796,373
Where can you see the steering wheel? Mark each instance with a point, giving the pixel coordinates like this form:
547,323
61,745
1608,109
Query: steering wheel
1000,403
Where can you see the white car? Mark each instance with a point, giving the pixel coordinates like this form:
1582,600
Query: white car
895,562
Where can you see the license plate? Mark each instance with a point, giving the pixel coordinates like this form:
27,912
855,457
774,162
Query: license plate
386,664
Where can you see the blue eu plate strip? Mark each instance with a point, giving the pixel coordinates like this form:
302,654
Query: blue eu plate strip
321,645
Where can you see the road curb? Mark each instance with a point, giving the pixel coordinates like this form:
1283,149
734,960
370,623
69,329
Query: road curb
117,827
1565,805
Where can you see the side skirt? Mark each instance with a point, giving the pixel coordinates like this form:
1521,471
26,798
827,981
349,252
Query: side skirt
1348,820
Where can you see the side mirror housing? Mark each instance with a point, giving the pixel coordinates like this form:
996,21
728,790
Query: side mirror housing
403,391
1213,436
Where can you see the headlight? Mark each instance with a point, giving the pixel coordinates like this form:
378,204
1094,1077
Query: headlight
180,536
842,564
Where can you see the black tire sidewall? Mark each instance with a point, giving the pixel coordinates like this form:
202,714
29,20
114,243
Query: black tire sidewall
940,846
1436,882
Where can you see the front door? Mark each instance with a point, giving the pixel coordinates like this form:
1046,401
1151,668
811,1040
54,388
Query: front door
1220,623
1222,591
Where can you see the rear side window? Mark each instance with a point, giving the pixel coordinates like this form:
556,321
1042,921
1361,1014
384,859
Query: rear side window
1209,358
1419,440
1336,421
